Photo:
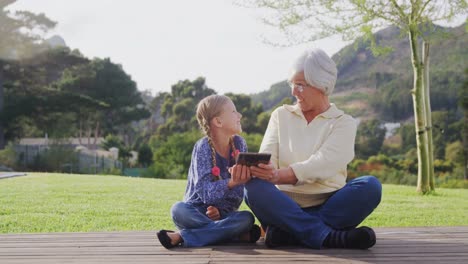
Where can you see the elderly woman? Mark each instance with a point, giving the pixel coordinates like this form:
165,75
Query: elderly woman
311,144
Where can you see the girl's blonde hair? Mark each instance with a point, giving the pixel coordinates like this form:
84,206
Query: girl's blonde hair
207,109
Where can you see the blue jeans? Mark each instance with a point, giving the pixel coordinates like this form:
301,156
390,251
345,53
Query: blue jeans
199,230
345,209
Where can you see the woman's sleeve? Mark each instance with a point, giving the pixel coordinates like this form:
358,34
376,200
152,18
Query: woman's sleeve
270,139
209,190
334,154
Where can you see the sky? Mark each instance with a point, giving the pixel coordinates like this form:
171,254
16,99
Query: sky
161,42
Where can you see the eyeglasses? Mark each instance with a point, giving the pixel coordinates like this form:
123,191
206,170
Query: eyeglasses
299,87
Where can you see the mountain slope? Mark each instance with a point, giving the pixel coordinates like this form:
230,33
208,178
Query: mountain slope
381,86
358,67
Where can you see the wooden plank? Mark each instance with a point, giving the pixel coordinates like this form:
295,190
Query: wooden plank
395,245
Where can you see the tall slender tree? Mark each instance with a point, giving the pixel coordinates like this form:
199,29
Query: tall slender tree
303,21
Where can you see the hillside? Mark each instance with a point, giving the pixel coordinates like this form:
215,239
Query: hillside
380,86
357,66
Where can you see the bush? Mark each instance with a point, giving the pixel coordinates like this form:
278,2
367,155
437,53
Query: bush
145,156
172,155
453,183
112,171
381,159
454,152
443,166
395,176
8,157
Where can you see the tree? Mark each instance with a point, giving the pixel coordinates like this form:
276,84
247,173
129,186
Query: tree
29,88
112,141
145,156
108,83
369,138
172,155
19,34
308,20
464,104
178,108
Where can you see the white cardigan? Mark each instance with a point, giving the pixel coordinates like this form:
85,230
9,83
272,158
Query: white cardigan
317,152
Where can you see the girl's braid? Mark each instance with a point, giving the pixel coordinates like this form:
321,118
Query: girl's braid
233,147
206,128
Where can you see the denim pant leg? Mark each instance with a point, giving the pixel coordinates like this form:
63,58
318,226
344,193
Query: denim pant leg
273,207
350,205
187,216
198,230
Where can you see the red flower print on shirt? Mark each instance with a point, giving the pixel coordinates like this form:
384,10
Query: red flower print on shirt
235,153
215,171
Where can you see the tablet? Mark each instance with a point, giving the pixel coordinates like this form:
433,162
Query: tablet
252,158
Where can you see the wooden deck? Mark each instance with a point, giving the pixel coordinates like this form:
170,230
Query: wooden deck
394,245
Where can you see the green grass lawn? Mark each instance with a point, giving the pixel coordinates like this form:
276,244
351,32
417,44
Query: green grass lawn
83,203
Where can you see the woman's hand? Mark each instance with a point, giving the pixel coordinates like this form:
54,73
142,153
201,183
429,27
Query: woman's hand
265,172
240,174
213,213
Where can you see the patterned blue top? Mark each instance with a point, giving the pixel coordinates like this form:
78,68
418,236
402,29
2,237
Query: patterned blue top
202,188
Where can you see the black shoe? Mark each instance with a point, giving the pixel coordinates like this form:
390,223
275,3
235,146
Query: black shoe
165,240
357,238
362,237
254,234
275,237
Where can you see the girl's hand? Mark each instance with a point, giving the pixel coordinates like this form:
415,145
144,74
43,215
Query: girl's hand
265,172
213,213
240,174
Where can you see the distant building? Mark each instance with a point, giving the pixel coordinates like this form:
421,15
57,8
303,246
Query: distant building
90,158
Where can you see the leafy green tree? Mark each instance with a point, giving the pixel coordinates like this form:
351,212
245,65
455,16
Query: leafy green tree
277,92
107,83
166,101
183,113
446,129
113,141
172,155
8,157
369,138
408,138
19,32
145,156
391,99
29,88
262,121
454,153
464,104
178,108
305,21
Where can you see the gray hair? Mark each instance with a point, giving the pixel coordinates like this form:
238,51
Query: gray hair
319,69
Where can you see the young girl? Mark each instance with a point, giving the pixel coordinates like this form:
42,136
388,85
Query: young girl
215,188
